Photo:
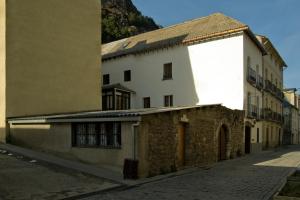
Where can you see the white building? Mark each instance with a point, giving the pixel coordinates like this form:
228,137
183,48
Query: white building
210,60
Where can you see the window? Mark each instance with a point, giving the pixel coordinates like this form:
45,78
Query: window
146,101
167,71
168,100
104,134
114,99
107,100
122,100
271,78
127,75
248,61
257,135
105,79
266,74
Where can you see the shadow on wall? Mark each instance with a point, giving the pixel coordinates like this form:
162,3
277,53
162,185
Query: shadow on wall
42,136
3,135
187,91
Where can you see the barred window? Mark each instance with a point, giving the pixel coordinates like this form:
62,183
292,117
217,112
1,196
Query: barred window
104,134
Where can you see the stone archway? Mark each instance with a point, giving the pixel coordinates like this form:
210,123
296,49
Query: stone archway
223,143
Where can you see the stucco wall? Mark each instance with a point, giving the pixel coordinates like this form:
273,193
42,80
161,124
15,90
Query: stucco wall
56,139
2,71
109,157
206,73
53,56
217,68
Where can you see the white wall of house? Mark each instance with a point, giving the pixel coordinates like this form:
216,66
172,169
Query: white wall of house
206,73
218,71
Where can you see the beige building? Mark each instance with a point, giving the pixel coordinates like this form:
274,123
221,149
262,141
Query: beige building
272,100
291,116
49,57
162,140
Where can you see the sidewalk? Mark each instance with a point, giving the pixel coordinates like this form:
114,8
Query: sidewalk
85,168
90,169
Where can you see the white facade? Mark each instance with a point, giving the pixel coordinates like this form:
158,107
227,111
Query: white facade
207,73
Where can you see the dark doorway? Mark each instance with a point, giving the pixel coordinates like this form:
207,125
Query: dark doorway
267,141
279,137
247,139
222,143
181,144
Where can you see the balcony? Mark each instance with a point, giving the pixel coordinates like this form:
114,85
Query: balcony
268,114
252,111
275,91
260,82
268,86
251,76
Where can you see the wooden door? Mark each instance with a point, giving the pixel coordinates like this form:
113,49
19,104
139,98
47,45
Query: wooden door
222,144
181,145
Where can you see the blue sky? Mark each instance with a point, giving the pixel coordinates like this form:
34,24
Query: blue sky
279,20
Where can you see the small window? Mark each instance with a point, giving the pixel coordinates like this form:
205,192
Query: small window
167,71
146,102
127,75
257,135
168,100
106,79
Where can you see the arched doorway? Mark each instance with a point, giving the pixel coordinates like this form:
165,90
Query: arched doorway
223,140
247,139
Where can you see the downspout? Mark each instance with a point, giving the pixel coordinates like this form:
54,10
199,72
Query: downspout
135,136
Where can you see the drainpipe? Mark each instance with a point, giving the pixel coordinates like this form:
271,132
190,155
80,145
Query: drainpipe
135,136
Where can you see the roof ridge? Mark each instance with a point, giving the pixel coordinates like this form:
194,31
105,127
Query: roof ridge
172,26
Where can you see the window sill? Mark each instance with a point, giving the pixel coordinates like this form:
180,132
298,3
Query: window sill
97,147
166,79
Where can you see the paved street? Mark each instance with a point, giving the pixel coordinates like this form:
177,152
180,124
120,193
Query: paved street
24,178
250,177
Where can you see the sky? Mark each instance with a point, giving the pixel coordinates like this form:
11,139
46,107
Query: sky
279,20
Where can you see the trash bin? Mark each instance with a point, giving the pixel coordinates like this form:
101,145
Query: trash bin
130,169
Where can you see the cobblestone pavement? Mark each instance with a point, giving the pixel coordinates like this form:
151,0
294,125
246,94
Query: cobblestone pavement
23,178
256,177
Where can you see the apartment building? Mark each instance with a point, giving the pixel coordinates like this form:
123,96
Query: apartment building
272,109
45,49
210,60
291,116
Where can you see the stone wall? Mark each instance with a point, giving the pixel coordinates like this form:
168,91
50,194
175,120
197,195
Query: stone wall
202,125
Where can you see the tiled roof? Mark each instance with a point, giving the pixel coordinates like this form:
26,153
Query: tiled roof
212,26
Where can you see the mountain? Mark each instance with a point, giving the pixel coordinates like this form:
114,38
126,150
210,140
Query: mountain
121,19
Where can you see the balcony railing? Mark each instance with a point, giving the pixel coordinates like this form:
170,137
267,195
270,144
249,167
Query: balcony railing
251,75
260,82
268,114
270,87
252,111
